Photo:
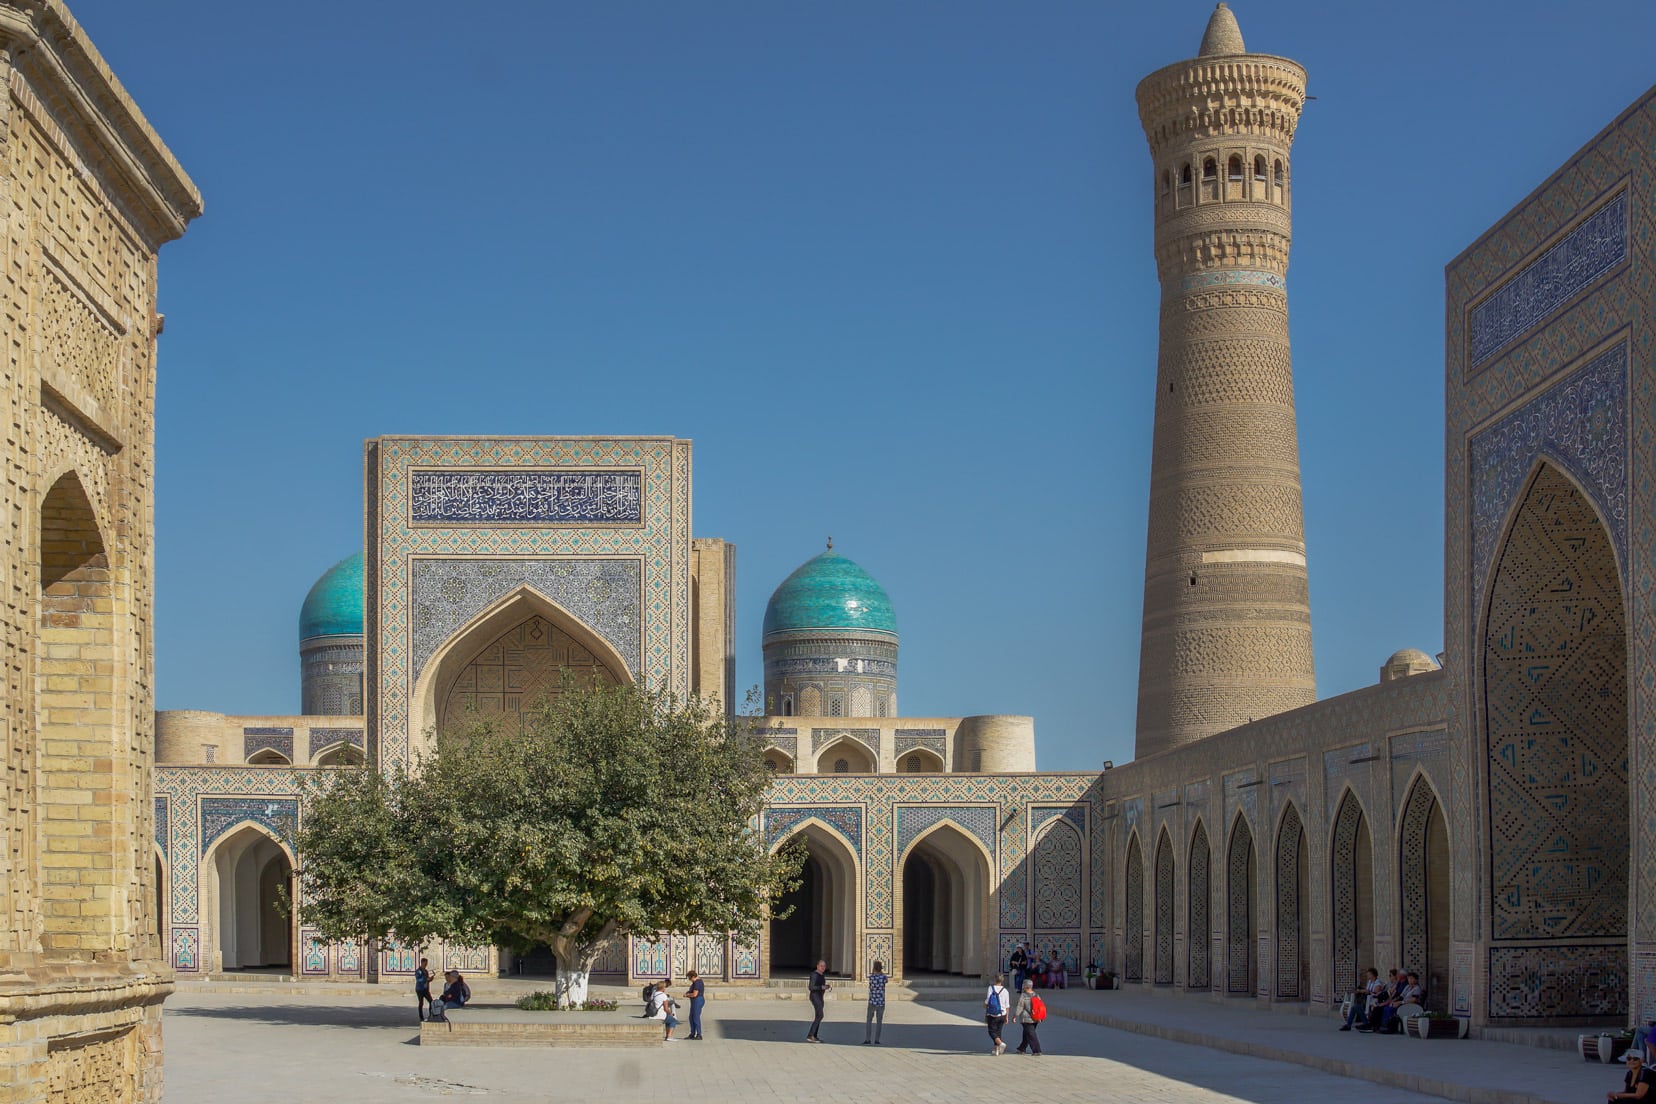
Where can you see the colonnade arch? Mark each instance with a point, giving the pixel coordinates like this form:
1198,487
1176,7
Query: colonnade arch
1134,927
1166,936
252,923
1351,895
1292,930
1423,877
943,912
1198,969
821,920
1241,910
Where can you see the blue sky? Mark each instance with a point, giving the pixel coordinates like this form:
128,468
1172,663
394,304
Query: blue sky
888,264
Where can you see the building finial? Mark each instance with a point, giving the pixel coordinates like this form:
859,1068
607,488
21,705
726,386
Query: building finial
1222,36
830,544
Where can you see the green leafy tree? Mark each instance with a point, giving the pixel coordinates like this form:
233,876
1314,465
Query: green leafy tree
615,811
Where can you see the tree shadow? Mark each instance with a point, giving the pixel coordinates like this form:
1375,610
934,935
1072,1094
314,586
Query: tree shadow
305,1015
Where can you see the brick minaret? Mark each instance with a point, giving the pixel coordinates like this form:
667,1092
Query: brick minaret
1227,614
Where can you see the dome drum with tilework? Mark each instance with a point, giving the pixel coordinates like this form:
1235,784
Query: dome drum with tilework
830,642
331,642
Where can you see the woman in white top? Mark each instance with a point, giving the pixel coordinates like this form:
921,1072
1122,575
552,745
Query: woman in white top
661,1008
997,1003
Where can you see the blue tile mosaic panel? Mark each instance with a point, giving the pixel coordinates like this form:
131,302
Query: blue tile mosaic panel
1228,277
161,837
975,820
845,819
1557,980
220,814
603,594
1580,423
1538,289
517,496
323,738
255,740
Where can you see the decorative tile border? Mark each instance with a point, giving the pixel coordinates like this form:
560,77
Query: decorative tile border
507,496
1227,277
1532,294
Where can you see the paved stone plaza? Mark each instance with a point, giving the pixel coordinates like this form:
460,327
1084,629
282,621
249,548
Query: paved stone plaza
360,1048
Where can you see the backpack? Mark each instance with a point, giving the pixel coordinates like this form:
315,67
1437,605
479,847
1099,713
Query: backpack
644,995
995,1001
1037,1008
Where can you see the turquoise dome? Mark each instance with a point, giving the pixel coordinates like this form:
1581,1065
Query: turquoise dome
830,592
334,605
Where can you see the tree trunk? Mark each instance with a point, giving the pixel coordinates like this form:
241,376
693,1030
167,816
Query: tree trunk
575,965
571,986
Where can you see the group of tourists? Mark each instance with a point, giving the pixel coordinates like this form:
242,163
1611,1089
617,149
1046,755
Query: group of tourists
455,993
1028,1014
1046,971
1374,1007
660,1005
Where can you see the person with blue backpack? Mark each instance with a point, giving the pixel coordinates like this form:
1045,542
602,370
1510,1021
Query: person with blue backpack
996,1005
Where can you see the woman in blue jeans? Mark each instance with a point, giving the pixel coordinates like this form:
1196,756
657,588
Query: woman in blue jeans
697,995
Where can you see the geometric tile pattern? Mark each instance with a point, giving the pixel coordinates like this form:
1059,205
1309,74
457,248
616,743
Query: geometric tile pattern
1056,859
1535,291
220,814
323,738
1164,910
1197,970
1239,910
1558,981
975,820
1555,707
279,740
1290,885
1412,867
1134,926
846,819
1347,825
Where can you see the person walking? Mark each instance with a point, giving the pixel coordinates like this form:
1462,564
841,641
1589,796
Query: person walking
1028,1005
422,988
997,1003
819,990
876,1005
697,996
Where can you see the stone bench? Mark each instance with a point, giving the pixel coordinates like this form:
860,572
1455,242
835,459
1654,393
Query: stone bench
511,1027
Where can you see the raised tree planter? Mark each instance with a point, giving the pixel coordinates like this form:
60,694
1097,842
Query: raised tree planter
1604,1048
1426,1027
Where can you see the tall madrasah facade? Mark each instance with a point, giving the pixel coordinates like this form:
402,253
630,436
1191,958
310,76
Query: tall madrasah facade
1475,822
1227,611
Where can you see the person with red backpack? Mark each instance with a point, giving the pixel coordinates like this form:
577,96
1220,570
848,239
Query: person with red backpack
1030,1015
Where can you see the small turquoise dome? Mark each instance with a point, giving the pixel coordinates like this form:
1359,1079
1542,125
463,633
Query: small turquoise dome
829,591
334,605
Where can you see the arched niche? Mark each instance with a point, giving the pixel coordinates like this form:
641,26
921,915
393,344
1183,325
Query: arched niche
778,761
1552,695
943,910
920,761
823,921
855,757
1423,866
497,664
83,870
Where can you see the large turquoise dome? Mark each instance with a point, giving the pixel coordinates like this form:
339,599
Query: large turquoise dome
334,605
830,592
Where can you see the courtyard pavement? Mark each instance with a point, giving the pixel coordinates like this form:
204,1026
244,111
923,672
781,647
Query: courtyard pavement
296,1049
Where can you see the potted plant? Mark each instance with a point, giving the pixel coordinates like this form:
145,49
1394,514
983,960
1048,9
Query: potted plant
1109,979
1092,975
1435,1025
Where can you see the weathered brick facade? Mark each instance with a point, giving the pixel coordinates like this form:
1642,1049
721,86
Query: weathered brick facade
87,195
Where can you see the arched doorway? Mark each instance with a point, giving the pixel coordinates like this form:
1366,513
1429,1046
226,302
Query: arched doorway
1423,871
536,962
1133,968
255,926
1241,915
1198,971
1554,708
1164,910
1351,862
160,928
944,911
1291,930
822,923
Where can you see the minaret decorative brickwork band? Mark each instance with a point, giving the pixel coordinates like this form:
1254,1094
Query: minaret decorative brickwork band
1227,614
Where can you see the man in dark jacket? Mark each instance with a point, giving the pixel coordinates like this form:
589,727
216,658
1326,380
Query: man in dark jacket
819,988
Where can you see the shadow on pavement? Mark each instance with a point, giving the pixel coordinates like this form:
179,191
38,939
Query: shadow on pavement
304,1015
